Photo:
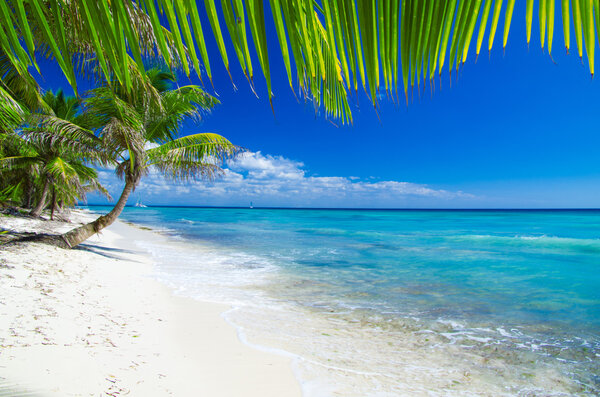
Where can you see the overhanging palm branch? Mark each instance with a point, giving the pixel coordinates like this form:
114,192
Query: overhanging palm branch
328,46
11,162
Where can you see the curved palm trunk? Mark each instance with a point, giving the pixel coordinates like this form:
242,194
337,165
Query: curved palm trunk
82,233
37,211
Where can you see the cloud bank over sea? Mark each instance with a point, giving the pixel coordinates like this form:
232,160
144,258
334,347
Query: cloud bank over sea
276,181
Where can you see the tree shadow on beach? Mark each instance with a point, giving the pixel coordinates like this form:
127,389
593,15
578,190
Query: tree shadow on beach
107,252
10,237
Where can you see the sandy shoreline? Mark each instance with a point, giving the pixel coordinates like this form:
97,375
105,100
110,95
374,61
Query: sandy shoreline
93,322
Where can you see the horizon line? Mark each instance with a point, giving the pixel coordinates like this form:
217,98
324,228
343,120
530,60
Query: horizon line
355,208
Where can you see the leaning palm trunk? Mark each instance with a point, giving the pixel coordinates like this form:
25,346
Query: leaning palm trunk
37,211
82,233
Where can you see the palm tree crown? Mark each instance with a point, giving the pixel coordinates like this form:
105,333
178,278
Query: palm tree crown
140,129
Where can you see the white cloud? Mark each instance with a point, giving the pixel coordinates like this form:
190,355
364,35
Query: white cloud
259,166
277,181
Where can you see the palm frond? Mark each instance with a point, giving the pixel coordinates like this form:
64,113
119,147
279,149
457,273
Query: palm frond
192,156
54,131
53,150
11,162
61,170
77,183
95,186
119,122
333,44
182,170
184,103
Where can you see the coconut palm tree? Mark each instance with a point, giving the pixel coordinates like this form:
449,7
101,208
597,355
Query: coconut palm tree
37,158
329,47
62,162
35,163
140,129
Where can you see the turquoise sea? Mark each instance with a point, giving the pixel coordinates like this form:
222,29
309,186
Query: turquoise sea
399,302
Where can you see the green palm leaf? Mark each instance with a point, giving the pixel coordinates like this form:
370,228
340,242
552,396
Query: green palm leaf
329,39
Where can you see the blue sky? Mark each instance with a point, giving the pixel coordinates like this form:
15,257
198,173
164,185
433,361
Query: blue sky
516,130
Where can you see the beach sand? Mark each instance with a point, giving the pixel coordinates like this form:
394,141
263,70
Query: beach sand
93,322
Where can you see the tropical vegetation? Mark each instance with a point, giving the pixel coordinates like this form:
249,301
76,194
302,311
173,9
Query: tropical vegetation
37,169
134,131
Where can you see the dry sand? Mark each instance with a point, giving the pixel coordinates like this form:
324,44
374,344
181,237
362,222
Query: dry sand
93,322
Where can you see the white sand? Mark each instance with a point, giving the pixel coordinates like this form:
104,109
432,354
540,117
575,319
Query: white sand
92,322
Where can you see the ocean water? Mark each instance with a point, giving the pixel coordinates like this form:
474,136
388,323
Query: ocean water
387,303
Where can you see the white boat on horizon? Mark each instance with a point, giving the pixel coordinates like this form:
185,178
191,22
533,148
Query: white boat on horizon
139,204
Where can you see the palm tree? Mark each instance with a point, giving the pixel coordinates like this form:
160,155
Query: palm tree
140,128
62,162
327,46
52,168
44,155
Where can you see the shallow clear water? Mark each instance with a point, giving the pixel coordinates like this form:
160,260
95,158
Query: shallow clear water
484,302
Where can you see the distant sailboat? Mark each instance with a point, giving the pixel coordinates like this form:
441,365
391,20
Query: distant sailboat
139,204
251,205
